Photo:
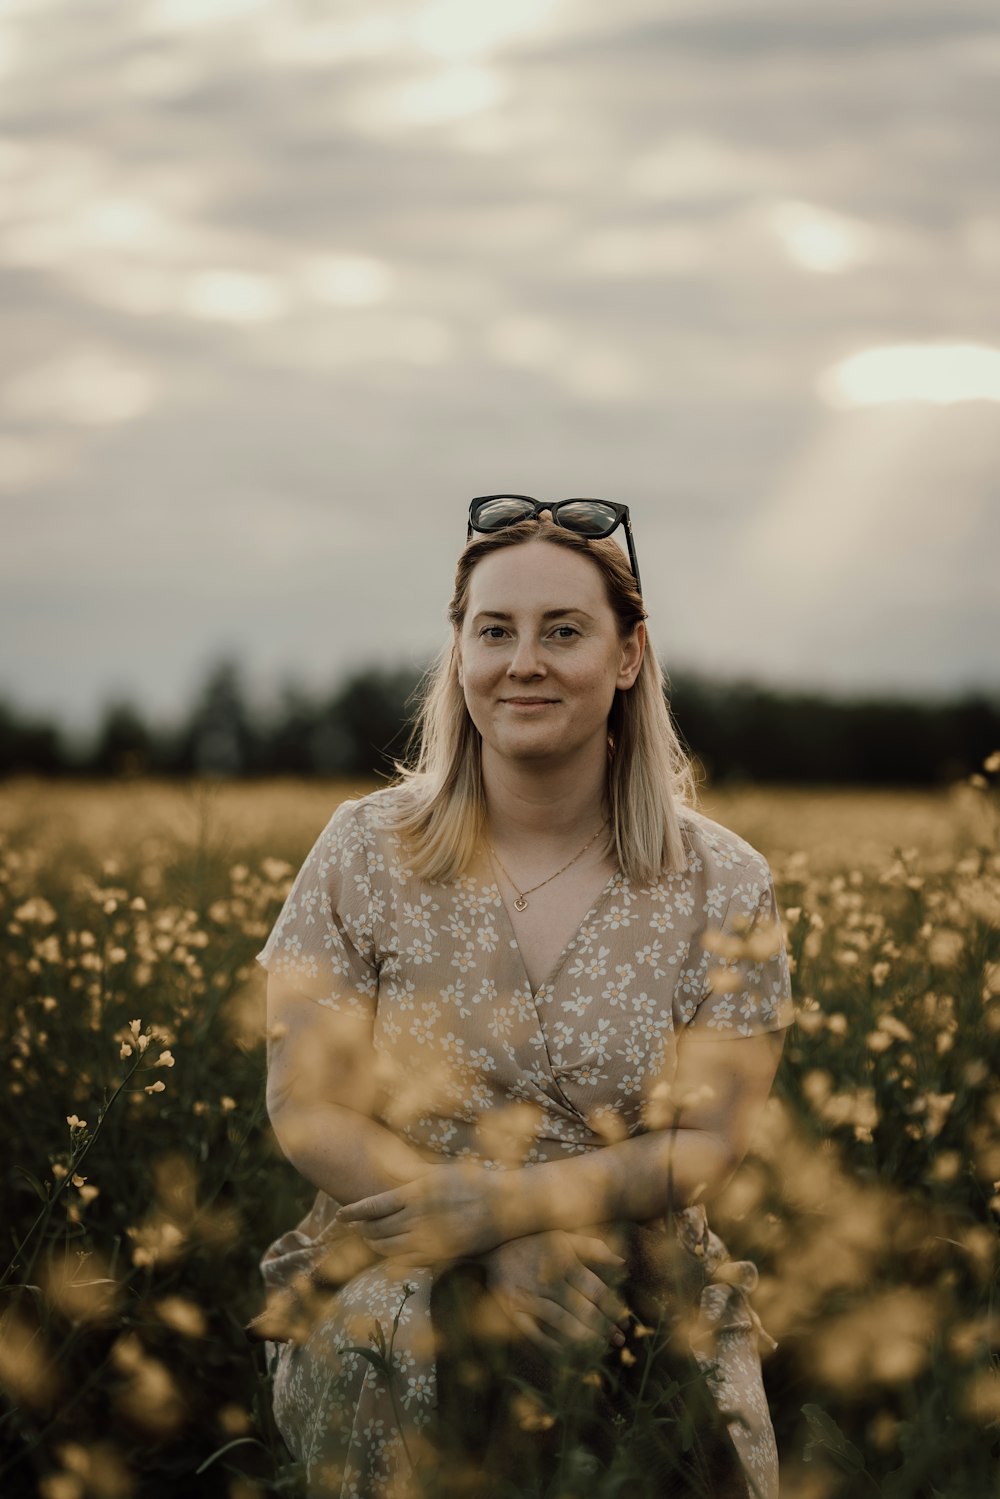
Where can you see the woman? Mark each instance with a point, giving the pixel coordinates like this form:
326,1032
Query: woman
525,1006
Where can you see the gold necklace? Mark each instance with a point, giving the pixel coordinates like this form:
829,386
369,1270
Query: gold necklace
521,903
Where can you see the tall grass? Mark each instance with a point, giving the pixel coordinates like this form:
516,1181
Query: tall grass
141,1182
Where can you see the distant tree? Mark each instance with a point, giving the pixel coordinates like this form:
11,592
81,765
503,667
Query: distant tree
740,731
30,746
220,736
123,745
363,727
289,741
744,732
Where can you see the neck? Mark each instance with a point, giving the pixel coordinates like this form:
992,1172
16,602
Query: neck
542,803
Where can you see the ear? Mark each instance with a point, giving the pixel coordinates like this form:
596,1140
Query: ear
633,650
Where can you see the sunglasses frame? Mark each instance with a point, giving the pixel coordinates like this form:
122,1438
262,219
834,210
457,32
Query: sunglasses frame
621,515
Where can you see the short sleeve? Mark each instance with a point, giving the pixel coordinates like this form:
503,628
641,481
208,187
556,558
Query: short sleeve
746,988
322,940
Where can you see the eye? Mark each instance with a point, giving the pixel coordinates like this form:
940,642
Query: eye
565,632
492,632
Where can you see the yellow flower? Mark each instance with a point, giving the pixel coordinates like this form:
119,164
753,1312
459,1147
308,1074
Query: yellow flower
135,1026
36,909
165,1059
892,1026
75,1123
126,1050
226,1103
157,1087
183,1316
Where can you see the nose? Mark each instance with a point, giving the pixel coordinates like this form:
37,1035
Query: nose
526,660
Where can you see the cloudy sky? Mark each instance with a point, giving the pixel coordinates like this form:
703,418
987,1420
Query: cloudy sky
284,284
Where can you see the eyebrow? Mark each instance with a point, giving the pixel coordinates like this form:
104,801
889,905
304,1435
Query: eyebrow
549,613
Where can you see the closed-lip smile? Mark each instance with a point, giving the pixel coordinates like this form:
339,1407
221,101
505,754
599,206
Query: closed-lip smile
526,702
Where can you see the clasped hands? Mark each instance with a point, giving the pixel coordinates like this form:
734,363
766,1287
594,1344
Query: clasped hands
557,1287
447,1213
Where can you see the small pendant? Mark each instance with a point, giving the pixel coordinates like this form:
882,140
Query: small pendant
520,904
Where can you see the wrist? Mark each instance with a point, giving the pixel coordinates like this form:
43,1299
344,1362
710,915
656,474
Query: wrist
522,1204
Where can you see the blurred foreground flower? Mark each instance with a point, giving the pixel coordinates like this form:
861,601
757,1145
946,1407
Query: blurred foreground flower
149,1395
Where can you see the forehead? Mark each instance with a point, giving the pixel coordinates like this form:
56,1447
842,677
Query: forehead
537,574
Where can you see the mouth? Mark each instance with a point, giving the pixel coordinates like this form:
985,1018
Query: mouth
529,702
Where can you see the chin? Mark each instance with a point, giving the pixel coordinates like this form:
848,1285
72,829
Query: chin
526,748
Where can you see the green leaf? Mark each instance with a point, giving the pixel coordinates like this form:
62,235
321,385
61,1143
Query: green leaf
375,1359
826,1436
237,1442
33,1182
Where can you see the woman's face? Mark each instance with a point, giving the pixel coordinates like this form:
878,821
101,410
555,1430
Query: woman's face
540,656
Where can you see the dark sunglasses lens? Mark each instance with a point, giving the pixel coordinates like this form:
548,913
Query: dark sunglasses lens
502,510
588,517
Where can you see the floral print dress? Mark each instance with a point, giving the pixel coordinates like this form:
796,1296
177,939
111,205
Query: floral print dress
474,1059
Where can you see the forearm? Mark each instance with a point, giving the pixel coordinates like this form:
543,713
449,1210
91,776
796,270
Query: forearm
345,1153
633,1180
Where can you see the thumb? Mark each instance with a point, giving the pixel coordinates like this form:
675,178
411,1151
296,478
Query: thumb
594,1251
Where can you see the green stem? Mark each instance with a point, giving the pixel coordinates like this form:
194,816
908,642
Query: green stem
75,1164
407,1292
651,1343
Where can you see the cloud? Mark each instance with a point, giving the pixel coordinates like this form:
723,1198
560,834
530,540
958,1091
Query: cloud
939,374
880,537
818,240
82,385
401,253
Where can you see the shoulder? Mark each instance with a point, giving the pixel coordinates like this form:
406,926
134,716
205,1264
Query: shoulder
359,823
723,855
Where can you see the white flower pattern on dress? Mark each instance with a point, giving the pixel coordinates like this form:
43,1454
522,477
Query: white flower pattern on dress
436,972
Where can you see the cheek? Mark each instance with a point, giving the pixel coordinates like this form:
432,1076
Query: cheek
475,671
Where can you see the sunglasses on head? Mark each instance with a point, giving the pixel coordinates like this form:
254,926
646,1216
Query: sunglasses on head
593,519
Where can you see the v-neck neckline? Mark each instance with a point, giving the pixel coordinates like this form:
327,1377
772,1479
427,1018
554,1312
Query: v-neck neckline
548,982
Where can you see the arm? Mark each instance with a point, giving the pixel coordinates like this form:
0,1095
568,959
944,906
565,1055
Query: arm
719,1089
322,1088
321,1091
720,1086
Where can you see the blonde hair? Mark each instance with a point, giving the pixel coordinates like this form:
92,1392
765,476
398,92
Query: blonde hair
443,816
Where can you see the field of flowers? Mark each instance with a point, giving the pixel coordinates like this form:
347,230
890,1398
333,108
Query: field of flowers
141,1182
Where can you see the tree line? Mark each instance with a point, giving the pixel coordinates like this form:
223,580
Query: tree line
739,731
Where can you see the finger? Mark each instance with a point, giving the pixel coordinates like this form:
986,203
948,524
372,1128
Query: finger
556,1326
586,1309
379,1228
530,1329
595,1252
412,1257
574,1326
419,1248
608,1301
367,1208
391,1243
603,1321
